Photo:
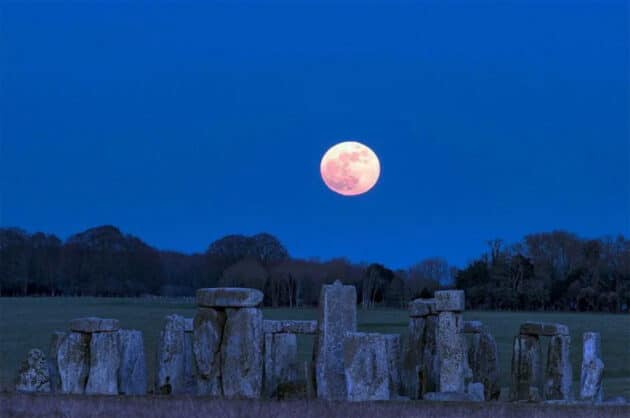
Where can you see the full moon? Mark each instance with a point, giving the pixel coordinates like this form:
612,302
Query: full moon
350,168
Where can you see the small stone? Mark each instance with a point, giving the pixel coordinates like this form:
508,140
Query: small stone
34,375
229,297
188,325
73,362
473,327
422,307
543,329
450,300
208,325
242,354
289,327
170,357
104,364
559,375
93,324
366,367
476,392
132,376
447,397
618,400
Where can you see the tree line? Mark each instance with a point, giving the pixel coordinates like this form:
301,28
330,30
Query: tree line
547,271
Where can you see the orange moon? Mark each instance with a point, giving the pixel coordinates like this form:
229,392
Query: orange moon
350,168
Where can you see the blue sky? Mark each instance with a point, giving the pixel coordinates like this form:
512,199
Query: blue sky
182,122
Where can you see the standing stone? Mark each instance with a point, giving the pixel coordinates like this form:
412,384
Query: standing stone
430,371
55,341
559,376
484,362
170,357
33,375
242,354
392,342
592,368
526,368
366,367
73,362
132,376
280,362
189,357
337,316
208,332
412,361
104,364
452,352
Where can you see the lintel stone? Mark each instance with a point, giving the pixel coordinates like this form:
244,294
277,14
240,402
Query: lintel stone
422,307
94,324
229,297
289,327
543,329
450,300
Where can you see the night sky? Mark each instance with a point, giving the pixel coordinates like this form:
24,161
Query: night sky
184,122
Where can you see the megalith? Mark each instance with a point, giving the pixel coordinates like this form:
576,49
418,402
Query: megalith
592,368
104,364
559,376
73,362
132,376
367,367
526,368
170,357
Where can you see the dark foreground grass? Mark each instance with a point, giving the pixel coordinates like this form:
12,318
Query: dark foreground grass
28,322
36,406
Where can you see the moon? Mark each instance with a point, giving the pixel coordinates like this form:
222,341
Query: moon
350,168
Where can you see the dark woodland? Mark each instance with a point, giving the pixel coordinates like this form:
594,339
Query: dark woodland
545,271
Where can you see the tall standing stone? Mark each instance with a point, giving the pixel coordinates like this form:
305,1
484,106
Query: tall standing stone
559,376
34,375
592,368
132,375
337,316
526,368
104,364
73,362
392,342
208,332
430,371
452,352
170,356
190,383
242,354
483,358
367,367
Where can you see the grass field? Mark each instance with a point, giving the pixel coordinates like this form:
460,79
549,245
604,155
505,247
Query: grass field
28,322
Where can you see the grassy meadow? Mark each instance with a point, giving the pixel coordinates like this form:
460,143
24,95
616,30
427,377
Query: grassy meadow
28,322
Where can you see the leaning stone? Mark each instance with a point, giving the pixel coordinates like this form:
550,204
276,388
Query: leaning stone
93,324
422,307
73,362
451,351
559,376
104,364
484,362
392,342
242,354
55,341
132,376
366,367
229,297
473,327
543,329
412,358
208,326
476,391
450,300
592,368
280,364
337,316
34,375
447,397
526,368
289,327
170,357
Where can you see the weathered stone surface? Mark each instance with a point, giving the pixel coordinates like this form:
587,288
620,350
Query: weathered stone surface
337,315
366,367
412,364
104,364
526,367
170,356
93,324
448,397
392,342
289,327
484,362
53,368
543,329
473,327
451,351
476,391
592,368
430,371
33,375
559,375
450,301
208,326
422,307
229,297
73,362
132,375
242,354
280,363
